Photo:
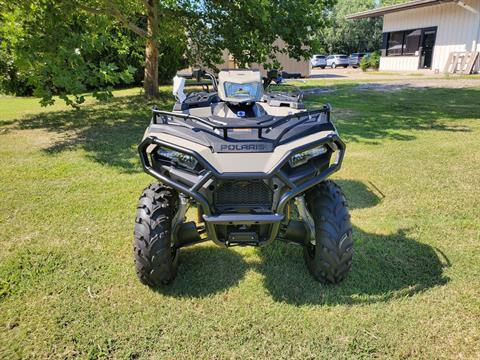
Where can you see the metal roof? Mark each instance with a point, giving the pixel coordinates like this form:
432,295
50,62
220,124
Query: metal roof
398,7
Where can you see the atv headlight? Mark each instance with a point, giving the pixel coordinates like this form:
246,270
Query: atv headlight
178,158
304,156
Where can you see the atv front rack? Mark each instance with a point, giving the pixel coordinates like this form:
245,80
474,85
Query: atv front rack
262,125
211,218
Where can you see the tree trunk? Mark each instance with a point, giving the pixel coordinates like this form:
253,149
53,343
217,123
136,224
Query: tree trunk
150,82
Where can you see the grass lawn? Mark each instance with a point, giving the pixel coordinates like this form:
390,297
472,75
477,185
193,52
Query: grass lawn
70,181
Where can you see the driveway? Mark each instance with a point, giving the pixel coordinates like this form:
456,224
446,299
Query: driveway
394,79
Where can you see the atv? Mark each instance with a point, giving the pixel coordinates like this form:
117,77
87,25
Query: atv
254,162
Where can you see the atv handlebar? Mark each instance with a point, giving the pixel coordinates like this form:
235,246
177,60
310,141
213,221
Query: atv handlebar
273,76
198,75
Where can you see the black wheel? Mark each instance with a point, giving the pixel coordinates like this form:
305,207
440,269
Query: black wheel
323,67
345,66
155,257
334,65
330,258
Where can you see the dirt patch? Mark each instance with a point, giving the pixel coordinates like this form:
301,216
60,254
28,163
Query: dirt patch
419,84
319,91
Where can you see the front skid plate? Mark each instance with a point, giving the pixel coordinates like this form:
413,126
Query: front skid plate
243,219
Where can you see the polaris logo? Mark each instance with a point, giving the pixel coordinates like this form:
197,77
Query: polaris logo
243,147
250,147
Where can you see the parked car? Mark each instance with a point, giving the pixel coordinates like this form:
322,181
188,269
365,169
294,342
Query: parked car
337,60
319,61
355,58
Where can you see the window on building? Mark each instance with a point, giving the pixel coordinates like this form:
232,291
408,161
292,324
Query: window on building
405,43
412,41
395,43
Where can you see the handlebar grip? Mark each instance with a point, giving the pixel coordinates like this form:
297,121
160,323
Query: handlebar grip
195,74
186,75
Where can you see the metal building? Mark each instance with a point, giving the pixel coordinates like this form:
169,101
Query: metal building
441,35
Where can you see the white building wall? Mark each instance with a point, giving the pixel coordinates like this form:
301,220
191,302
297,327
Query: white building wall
403,63
457,30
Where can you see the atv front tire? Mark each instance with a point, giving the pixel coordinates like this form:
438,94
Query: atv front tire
330,258
155,258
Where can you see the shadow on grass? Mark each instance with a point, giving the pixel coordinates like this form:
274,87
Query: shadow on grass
108,132
384,267
359,195
204,271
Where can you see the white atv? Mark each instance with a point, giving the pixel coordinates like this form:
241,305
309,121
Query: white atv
248,158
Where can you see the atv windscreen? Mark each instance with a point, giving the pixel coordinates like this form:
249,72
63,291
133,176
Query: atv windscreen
243,92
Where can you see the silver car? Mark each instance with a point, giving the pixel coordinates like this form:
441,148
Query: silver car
337,60
318,61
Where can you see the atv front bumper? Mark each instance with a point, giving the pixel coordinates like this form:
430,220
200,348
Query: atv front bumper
290,187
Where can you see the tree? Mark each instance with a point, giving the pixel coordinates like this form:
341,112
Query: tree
56,36
249,28
347,36
126,13
12,80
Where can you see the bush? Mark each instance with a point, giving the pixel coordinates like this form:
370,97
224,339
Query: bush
13,81
371,61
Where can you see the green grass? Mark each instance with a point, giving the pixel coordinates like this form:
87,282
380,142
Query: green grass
69,187
391,73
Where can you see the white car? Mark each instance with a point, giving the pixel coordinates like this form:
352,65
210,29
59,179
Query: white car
337,60
318,61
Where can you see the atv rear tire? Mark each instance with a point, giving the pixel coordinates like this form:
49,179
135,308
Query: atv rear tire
155,258
330,258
